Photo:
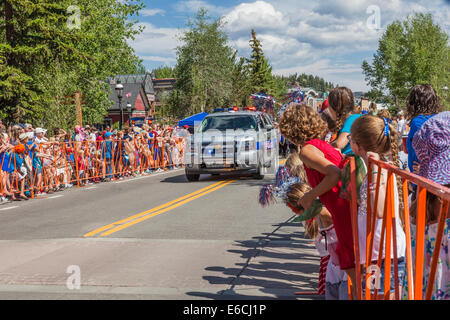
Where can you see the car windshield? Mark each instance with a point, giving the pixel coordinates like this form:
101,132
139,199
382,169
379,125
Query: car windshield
231,122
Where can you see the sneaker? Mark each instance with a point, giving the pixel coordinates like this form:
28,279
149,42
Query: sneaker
160,170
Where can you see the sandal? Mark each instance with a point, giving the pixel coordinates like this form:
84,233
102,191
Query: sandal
23,197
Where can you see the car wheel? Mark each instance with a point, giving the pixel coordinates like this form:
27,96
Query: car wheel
192,177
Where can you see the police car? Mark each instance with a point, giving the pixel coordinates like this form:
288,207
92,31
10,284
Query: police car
233,140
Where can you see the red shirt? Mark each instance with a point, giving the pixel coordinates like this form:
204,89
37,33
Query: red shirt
338,207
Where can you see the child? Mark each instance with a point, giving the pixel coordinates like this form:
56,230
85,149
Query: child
304,127
377,138
6,166
319,226
341,109
422,104
432,146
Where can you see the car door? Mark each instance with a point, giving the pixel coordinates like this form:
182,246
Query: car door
271,152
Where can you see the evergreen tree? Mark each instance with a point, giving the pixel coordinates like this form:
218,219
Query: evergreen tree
260,72
34,33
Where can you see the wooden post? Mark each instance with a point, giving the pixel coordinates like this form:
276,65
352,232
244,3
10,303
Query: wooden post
79,112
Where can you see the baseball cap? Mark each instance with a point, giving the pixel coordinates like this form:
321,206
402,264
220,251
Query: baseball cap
432,146
23,136
40,130
108,134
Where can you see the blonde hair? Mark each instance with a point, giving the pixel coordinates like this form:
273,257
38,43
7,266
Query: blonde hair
295,193
295,166
369,133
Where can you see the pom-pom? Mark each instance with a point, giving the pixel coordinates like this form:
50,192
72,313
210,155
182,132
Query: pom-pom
266,195
282,176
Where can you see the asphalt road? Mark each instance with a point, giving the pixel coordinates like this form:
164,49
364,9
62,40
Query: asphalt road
155,237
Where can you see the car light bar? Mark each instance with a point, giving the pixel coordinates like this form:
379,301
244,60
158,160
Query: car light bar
234,109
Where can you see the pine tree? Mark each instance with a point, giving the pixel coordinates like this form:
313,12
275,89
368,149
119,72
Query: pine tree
260,72
34,33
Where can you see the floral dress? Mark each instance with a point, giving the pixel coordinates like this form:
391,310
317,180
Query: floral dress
441,288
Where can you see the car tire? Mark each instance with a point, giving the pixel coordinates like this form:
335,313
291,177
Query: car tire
192,177
258,175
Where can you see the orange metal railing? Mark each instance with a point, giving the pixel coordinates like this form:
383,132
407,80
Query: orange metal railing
414,269
76,163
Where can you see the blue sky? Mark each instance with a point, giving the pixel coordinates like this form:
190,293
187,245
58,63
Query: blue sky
328,38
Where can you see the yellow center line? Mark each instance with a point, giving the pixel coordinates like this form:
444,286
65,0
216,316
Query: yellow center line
93,233
107,233
125,223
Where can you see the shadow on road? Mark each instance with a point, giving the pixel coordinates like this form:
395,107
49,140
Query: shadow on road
274,266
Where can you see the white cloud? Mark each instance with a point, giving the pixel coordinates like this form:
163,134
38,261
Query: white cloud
156,42
258,15
152,12
329,38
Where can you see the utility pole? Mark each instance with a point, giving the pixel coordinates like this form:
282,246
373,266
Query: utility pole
79,112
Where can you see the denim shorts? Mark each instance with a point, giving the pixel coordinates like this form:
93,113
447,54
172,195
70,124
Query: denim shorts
401,276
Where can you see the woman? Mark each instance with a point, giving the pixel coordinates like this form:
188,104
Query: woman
341,109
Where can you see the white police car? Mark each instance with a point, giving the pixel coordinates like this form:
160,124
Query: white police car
233,141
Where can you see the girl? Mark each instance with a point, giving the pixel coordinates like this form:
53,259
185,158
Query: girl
376,137
341,109
422,103
6,166
432,145
304,127
332,280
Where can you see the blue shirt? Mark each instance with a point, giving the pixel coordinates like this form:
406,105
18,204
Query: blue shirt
416,124
347,129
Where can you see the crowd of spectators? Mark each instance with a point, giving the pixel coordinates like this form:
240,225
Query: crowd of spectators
35,161
315,185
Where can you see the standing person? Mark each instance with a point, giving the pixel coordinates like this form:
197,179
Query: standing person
107,155
377,138
422,104
432,146
40,133
341,108
304,127
6,151
373,109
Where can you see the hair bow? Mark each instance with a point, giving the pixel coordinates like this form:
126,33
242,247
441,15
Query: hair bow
386,126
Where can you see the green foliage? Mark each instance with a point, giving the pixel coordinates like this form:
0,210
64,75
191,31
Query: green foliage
310,81
411,52
164,72
204,68
50,61
260,72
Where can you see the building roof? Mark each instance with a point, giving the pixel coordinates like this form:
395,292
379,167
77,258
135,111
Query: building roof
143,79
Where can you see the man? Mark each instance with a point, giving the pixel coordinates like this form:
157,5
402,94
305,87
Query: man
39,133
28,127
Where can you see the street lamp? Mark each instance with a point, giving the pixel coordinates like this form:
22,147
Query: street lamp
119,90
130,110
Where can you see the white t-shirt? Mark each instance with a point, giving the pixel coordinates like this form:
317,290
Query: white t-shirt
362,225
401,127
38,141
